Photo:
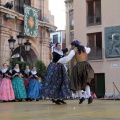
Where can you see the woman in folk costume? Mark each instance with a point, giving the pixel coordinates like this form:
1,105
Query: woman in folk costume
34,88
26,76
0,76
56,83
82,72
6,89
18,83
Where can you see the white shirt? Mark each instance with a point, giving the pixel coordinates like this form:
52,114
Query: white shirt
67,58
87,50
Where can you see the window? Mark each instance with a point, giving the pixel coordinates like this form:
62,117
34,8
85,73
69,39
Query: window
71,36
71,19
19,5
55,39
40,15
41,10
95,43
93,12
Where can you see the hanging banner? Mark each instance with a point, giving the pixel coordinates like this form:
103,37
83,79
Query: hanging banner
30,21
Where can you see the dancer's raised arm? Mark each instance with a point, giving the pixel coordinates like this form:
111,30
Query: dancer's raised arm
88,49
67,58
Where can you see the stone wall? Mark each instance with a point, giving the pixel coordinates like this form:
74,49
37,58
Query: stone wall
12,27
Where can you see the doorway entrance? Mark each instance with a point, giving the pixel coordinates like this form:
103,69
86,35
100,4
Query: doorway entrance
98,85
28,56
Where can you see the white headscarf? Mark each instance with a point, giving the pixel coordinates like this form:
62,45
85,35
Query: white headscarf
60,52
17,69
4,70
33,72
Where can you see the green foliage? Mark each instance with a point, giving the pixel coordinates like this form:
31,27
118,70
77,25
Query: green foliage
22,65
41,68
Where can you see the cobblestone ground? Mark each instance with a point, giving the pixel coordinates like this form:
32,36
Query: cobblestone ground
46,110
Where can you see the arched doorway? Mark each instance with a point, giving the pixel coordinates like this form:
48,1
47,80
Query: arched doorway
28,56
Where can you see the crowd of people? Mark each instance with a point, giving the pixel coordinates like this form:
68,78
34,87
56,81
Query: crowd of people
56,86
18,85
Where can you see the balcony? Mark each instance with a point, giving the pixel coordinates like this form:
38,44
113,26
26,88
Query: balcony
19,9
95,54
93,20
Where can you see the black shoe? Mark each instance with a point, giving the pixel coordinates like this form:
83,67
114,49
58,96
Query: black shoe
5,101
81,100
31,99
62,101
27,99
53,100
90,100
57,102
20,100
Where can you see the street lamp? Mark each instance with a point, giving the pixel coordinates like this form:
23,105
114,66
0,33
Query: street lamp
20,38
27,45
11,43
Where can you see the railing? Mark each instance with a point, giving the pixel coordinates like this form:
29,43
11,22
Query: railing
71,27
93,20
115,87
19,5
95,54
19,9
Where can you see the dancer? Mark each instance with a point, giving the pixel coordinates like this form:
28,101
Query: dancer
56,83
82,72
18,84
6,89
34,88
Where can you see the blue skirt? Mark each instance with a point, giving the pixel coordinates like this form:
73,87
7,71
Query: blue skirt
34,89
56,83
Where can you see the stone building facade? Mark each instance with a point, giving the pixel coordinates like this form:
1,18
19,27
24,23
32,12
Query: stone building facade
13,26
96,23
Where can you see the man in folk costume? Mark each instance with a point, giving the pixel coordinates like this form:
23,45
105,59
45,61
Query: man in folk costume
82,72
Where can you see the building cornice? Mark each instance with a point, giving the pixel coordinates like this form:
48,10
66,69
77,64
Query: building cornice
20,17
68,1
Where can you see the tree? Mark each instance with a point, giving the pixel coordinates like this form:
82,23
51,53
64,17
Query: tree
41,69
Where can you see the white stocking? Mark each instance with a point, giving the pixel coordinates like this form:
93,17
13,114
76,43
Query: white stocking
87,89
80,94
73,95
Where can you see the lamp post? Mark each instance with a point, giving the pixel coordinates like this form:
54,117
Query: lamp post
11,44
27,45
20,37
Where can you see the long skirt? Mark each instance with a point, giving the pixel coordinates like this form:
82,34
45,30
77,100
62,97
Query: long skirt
34,89
82,74
6,90
26,83
56,83
0,80
19,88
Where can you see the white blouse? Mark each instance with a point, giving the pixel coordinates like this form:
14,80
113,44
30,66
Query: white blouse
67,58
87,50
